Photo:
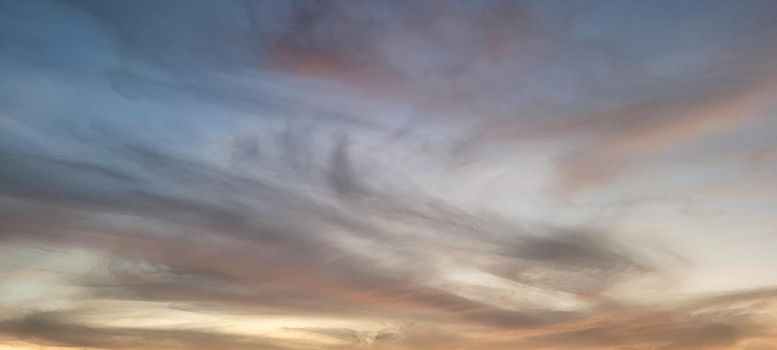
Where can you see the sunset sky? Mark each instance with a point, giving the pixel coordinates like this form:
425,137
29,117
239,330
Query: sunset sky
388,175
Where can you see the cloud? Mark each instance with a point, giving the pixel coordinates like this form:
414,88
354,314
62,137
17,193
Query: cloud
643,129
327,169
290,257
704,323
60,329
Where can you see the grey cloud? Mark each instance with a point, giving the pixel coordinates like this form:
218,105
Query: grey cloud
573,249
271,249
509,319
341,177
262,247
45,177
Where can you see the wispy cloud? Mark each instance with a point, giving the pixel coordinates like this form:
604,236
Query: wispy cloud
384,175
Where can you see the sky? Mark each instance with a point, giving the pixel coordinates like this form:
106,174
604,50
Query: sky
388,175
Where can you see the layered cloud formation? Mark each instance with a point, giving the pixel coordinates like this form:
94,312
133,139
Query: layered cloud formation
388,175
